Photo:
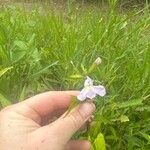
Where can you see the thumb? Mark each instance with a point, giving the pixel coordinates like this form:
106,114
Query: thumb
66,127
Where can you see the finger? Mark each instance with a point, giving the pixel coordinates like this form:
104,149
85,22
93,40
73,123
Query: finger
64,128
78,145
46,103
52,117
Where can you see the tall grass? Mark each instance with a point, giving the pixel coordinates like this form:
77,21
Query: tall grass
49,51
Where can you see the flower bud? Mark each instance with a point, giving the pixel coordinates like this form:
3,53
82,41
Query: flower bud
94,65
98,61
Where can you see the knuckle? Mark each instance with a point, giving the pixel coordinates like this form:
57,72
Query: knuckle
77,120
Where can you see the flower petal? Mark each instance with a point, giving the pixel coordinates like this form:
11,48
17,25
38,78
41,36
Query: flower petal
91,93
83,94
88,82
81,97
100,90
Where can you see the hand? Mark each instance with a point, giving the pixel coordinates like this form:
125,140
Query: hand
23,127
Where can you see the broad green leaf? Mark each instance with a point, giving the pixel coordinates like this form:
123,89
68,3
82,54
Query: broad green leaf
20,51
4,101
3,71
99,142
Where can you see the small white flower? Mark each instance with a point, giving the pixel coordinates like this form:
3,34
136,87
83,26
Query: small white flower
90,91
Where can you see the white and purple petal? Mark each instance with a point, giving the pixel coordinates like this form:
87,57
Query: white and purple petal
88,82
91,93
100,90
83,94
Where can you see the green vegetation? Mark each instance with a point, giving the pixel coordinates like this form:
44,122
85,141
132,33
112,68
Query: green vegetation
42,51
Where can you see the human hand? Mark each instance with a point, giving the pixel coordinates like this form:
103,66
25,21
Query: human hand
22,126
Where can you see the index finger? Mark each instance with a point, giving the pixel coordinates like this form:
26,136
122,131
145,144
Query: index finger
48,102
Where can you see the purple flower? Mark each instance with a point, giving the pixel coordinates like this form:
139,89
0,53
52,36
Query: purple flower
90,91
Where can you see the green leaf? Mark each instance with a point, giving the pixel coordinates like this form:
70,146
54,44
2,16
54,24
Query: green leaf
76,76
124,118
3,56
22,95
18,55
130,103
44,69
3,71
143,108
83,69
4,102
35,55
74,103
32,40
21,45
20,50
146,136
99,142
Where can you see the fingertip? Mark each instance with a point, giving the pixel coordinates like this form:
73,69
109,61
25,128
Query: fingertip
86,110
87,145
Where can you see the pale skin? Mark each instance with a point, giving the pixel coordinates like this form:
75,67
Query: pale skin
24,126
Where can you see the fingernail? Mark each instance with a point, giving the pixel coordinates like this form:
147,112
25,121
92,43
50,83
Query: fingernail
86,109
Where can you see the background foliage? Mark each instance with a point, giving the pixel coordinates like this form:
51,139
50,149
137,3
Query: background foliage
44,50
